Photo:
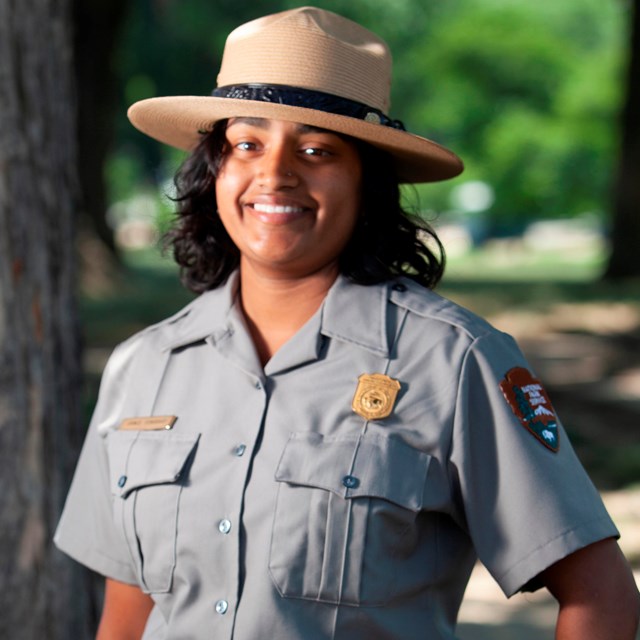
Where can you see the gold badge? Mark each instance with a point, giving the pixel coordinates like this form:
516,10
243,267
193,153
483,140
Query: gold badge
375,396
150,423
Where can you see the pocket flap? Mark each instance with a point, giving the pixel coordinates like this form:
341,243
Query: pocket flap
142,458
372,466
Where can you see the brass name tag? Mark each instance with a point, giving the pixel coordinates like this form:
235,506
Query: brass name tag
151,423
375,396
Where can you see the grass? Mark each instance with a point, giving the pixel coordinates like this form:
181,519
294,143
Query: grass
509,260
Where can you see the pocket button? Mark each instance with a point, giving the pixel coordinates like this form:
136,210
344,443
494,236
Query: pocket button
351,482
224,526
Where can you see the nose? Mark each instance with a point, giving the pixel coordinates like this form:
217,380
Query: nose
277,167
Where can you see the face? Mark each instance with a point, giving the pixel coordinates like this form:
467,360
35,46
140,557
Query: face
288,195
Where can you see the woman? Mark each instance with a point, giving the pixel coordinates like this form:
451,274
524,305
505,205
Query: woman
319,446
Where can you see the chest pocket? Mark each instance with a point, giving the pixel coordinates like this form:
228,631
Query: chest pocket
148,470
345,526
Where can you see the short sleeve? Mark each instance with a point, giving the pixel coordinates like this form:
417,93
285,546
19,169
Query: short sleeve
86,530
526,504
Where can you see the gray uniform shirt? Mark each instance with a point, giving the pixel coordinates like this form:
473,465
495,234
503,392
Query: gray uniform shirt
272,510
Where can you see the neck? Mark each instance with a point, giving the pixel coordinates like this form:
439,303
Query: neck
276,307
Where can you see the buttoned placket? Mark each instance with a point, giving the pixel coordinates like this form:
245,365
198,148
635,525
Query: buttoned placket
230,374
228,529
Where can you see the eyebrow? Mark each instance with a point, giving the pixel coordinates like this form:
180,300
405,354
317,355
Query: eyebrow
264,123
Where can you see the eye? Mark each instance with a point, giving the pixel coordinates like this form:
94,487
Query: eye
244,145
315,152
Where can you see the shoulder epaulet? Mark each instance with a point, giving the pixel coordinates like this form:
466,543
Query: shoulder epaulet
428,304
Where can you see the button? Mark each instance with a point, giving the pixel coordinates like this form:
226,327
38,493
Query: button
398,286
122,480
222,606
351,482
258,385
240,449
224,526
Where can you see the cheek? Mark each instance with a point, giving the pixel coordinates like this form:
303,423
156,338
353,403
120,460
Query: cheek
228,188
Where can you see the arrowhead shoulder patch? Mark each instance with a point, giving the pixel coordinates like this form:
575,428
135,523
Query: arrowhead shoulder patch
531,405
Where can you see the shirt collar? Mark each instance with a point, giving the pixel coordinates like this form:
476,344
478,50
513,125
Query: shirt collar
351,313
357,314
208,316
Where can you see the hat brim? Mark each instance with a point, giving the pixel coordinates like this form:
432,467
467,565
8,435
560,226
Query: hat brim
180,120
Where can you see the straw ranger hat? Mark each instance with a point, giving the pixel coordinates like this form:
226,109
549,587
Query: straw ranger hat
309,66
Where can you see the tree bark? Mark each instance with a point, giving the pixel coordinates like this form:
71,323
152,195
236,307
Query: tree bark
624,261
42,593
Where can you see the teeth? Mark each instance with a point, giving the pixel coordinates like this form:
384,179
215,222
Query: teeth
274,208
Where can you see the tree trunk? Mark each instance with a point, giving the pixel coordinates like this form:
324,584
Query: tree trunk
625,233
42,594
97,25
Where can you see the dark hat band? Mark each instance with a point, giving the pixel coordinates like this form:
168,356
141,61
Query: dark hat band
308,99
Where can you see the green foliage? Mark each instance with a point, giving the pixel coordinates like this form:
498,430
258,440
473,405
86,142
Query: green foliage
526,93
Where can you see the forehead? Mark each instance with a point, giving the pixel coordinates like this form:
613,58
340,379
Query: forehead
268,124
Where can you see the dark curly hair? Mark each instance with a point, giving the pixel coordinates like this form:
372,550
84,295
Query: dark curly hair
387,240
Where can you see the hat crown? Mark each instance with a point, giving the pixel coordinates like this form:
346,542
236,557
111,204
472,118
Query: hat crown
312,49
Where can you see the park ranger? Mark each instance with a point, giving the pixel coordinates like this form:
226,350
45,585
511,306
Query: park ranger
319,446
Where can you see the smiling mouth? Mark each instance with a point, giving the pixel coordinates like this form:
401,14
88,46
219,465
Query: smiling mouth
276,208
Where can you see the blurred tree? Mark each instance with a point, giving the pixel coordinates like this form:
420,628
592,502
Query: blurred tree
43,594
97,25
625,232
526,93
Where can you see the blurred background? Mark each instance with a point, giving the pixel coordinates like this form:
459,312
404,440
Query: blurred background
542,230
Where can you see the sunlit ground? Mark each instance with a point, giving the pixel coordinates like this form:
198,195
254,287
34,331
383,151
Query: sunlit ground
487,615
513,260
573,248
